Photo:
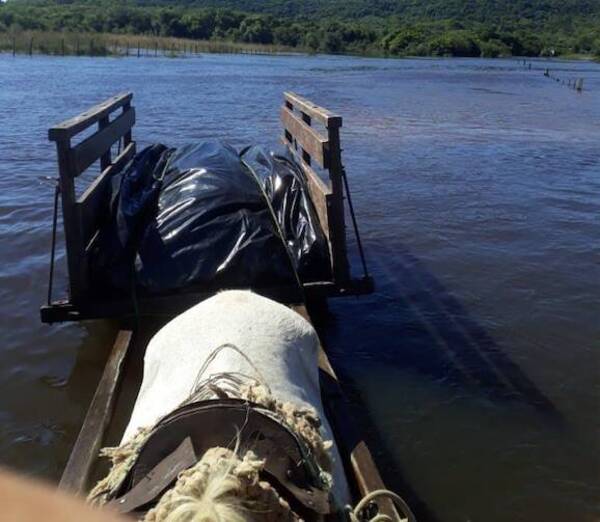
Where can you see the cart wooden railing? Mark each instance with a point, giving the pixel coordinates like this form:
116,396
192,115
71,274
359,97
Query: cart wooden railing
311,133
311,146
82,214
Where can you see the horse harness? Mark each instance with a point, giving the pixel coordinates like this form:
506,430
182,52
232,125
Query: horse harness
180,439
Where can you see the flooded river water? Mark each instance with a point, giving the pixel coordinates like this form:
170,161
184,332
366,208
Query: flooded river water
474,367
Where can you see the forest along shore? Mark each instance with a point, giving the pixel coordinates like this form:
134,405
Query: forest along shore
53,43
551,28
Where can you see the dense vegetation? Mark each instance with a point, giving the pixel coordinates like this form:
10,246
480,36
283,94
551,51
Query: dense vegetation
392,27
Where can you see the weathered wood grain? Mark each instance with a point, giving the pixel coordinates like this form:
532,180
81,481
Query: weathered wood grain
295,133
94,147
85,452
72,126
105,159
78,214
319,191
341,268
309,140
71,220
324,116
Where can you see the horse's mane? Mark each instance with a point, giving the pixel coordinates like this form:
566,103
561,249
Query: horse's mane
223,485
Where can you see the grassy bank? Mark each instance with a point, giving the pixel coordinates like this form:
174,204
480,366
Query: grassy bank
107,44
63,43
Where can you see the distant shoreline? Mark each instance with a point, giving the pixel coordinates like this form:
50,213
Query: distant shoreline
89,44
123,45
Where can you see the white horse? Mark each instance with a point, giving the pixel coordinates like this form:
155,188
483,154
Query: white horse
235,333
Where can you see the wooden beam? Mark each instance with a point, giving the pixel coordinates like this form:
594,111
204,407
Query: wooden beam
69,128
319,191
94,147
85,452
320,195
71,221
355,449
327,118
105,159
341,268
94,200
306,137
151,306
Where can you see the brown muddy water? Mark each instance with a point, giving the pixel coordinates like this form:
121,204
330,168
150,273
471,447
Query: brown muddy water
474,368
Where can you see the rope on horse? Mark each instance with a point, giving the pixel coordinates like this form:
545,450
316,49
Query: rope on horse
357,514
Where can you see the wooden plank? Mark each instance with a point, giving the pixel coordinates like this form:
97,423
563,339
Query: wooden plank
127,138
63,310
306,137
105,159
93,200
76,475
152,306
92,148
319,191
327,118
71,222
69,128
361,461
320,194
337,221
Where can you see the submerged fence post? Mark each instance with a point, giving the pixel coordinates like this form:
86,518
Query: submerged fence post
579,84
138,50
14,45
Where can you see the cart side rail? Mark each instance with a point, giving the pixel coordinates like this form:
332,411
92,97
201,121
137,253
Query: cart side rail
311,146
114,118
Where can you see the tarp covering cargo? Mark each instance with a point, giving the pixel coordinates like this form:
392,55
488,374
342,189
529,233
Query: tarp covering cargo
204,216
285,187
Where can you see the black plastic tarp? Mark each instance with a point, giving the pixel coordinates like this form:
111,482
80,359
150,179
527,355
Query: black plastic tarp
132,206
201,216
285,186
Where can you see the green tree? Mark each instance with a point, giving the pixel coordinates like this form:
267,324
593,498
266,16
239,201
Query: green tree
454,43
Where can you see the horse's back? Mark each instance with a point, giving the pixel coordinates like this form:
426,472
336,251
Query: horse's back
280,347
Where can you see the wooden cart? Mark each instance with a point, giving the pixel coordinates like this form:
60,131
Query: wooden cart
313,136
311,133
